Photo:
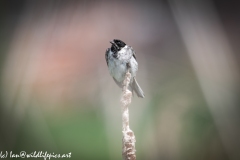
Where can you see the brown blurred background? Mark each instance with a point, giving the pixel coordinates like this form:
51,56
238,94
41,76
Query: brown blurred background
56,94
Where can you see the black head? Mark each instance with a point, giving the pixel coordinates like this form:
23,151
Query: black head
119,43
114,48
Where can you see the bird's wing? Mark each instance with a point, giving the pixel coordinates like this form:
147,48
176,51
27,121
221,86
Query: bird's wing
134,53
106,55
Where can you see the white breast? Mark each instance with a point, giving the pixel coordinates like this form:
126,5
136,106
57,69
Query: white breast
118,67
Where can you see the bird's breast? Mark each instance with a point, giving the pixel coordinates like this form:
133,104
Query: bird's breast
117,64
117,69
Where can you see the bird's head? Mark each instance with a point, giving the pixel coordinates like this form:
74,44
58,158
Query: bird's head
114,47
119,43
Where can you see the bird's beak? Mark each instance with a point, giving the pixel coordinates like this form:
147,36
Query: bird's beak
114,44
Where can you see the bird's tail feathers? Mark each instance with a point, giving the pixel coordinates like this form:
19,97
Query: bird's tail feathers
137,88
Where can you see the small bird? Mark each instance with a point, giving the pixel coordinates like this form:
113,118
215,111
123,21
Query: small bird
119,58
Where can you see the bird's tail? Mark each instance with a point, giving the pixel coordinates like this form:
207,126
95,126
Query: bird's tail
137,88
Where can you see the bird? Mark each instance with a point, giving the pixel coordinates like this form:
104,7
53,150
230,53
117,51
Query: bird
121,57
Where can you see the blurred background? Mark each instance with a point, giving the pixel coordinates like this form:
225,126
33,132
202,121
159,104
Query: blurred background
56,94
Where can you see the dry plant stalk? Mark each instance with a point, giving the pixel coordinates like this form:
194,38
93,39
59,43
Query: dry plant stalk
128,140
